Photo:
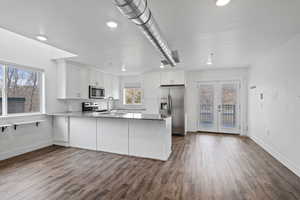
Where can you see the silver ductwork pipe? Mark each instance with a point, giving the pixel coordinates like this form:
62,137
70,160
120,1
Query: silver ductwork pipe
139,13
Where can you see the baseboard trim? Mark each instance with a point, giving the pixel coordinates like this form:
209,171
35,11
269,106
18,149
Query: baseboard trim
60,143
23,150
277,155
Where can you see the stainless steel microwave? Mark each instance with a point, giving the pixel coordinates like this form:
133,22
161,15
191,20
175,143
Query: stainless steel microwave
96,92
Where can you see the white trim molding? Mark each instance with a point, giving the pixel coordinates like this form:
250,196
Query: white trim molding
277,155
23,150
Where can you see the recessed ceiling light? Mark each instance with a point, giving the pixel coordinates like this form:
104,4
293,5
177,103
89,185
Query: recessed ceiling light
42,38
112,24
222,2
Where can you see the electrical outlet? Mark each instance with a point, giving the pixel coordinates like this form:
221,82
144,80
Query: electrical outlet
268,132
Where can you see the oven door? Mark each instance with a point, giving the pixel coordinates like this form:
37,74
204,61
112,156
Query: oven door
96,93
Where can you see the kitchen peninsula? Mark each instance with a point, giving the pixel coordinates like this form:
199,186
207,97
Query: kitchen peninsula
133,134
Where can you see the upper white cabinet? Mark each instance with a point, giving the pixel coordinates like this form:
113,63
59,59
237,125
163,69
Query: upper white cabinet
111,85
172,78
84,83
107,78
96,78
115,87
72,81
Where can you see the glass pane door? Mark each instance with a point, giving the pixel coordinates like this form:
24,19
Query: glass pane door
219,107
208,117
229,107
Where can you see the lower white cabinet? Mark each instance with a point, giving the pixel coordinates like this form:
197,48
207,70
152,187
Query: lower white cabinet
112,135
61,130
83,133
150,139
141,138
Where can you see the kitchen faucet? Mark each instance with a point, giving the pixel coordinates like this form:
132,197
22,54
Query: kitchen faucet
109,101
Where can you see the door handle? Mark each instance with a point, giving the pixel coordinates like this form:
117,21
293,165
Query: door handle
219,108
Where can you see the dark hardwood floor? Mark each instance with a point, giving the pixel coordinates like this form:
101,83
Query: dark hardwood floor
202,166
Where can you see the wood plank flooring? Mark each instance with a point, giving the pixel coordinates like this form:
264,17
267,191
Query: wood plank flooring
202,166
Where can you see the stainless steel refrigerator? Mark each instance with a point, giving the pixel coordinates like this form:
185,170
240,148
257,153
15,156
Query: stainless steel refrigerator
172,103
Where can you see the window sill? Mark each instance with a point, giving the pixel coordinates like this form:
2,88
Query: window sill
133,105
22,115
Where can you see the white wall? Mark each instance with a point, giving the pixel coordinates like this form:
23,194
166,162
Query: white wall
192,93
152,92
23,51
274,122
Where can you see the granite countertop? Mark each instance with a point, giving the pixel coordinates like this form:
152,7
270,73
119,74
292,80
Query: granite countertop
129,115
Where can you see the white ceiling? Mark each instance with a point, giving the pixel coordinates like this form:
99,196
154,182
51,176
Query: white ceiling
236,34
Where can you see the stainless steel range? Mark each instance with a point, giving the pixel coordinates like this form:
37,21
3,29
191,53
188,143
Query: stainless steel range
93,107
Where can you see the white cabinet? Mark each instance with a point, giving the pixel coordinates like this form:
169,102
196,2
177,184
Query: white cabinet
111,85
84,83
107,85
150,139
172,78
112,135
93,77
61,131
115,87
142,138
73,85
72,80
96,78
83,133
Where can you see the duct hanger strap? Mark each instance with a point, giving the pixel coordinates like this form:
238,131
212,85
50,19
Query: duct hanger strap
139,13
135,10
143,17
121,3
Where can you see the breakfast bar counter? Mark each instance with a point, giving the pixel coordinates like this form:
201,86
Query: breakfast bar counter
131,134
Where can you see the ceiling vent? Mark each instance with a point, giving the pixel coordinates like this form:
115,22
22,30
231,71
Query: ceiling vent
139,13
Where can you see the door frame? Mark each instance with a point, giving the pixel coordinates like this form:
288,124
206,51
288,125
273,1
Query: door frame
241,103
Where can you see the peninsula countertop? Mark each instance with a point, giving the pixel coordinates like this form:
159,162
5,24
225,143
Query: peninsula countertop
118,115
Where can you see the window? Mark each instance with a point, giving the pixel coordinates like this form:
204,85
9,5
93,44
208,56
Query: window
23,90
132,96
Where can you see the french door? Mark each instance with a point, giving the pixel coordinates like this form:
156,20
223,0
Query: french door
219,107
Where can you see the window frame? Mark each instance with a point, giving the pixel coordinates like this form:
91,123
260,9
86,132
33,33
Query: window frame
41,80
132,104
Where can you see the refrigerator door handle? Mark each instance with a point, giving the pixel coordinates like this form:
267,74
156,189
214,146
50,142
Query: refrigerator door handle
171,105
